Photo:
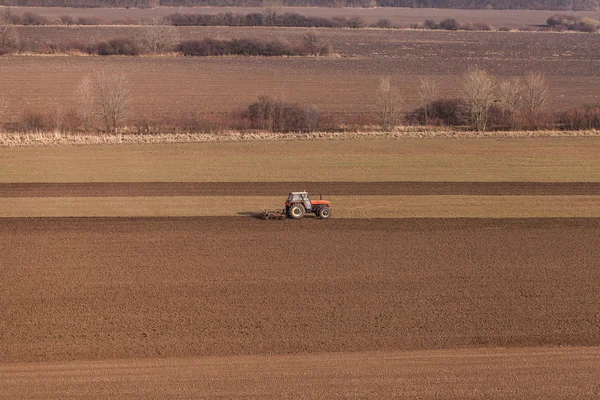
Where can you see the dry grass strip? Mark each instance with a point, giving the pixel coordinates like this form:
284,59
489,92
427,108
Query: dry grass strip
343,206
60,138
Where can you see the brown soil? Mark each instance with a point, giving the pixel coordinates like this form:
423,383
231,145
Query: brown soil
83,289
128,189
531,373
167,85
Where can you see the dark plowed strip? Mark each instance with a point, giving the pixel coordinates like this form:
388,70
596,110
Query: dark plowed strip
93,288
130,189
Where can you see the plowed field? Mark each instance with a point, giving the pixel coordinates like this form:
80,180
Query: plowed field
345,84
530,373
381,301
120,288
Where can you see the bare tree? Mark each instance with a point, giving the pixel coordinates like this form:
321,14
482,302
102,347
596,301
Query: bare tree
273,9
478,94
158,37
427,95
388,102
536,95
113,99
510,96
55,120
9,38
84,94
4,112
311,41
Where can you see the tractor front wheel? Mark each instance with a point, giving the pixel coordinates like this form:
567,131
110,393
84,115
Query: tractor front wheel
324,212
296,211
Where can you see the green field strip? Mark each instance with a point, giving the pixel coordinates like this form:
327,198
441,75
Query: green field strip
343,206
355,160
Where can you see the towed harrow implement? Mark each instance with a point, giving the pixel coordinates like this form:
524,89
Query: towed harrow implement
273,214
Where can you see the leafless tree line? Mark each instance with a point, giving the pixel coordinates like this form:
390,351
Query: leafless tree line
100,98
526,98
522,102
103,98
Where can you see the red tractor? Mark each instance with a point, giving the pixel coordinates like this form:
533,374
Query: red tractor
298,204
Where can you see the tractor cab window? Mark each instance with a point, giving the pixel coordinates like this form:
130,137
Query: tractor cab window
295,197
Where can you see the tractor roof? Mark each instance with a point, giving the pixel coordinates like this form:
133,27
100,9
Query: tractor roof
298,192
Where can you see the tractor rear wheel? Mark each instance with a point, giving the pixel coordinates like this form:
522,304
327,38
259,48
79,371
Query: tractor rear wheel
296,211
324,212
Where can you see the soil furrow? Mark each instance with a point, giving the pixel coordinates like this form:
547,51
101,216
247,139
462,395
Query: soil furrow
133,189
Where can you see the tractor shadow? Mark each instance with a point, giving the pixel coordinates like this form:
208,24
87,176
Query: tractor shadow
251,214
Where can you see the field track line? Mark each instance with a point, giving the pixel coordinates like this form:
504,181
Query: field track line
151,189
546,373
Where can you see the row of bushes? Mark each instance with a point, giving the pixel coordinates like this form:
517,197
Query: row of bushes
309,45
451,112
451,24
243,47
82,3
222,19
268,114
263,19
557,22
560,5
33,19
563,22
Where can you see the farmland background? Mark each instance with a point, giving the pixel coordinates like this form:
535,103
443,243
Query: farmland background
453,267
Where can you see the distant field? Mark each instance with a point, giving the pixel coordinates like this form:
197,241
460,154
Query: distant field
344,84
399,16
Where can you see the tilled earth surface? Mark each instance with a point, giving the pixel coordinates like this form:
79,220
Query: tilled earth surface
129,189
176,86
101,288
526,373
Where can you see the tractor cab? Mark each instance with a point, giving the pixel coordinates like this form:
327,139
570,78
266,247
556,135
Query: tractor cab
300,197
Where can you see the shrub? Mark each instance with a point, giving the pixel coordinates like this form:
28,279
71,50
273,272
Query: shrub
89,21
445,112
580,118
312,45
9,39
71,121
30,18
246,47
117,47
449,24
573,22
356,23
34,121
67,20
481,26
430,24
383,23
279,116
